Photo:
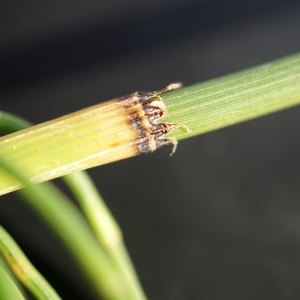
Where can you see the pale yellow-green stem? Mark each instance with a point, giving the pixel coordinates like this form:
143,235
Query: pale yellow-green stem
8,289
83,139
97,213
24,270
103,134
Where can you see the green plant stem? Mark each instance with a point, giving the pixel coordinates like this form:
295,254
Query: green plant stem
69,225
103,223
105,227
92,136
234,98
202,107
24,270
8,289
11,123
8,271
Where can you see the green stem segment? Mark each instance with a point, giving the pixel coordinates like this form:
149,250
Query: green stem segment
234,98
69,225
107,230
8,289
202,107
24,270
9,272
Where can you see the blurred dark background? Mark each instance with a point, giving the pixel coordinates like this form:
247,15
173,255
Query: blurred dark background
218,220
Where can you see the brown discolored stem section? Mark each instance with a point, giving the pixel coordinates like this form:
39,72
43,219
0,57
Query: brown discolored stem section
107,132
144,111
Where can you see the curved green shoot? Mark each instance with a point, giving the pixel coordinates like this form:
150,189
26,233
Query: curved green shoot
8,289
24,270
68,224
9,272
105,227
